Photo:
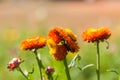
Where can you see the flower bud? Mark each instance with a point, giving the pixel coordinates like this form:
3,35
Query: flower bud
14,63
49,70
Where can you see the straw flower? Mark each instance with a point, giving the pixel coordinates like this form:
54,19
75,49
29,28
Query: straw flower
34,42
92,35
61,42
14,63
66,37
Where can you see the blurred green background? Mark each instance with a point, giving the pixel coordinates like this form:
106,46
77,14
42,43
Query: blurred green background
20,19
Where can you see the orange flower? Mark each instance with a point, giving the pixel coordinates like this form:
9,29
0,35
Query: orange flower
65,37
92,35
33,43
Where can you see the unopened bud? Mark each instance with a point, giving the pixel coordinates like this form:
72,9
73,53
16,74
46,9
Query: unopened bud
49,70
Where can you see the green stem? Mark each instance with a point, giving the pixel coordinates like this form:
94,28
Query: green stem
98,62
50,77
19,69
67,70
39,63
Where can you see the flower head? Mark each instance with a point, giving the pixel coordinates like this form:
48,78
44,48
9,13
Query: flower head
66,36
14,63
33,43
61,41
92,35
49,70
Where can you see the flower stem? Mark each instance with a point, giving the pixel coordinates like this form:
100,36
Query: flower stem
50,77
66,69
98,62
19,69
39,63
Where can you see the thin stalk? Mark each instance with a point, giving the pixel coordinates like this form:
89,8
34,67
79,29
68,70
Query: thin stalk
66,69
98,62
50,77
39,63
19,69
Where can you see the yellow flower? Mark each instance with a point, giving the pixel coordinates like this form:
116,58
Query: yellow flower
92,34
34,42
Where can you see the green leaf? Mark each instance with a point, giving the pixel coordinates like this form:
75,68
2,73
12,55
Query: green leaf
32,70
75,61
30,73
79,68
78,58
114,71
87,66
